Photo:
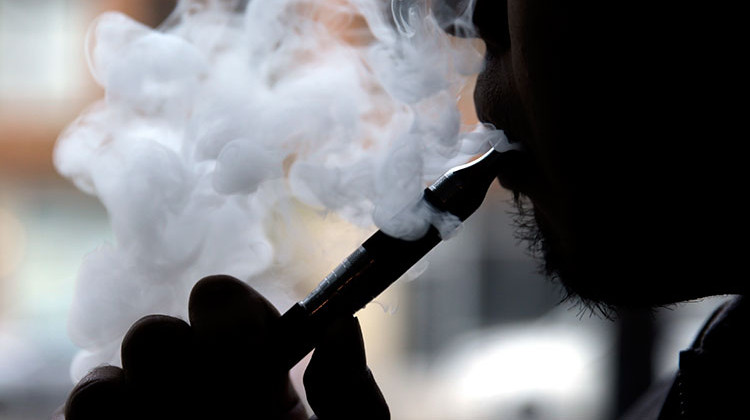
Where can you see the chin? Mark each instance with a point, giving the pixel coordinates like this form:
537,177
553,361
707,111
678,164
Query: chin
606,280
599,278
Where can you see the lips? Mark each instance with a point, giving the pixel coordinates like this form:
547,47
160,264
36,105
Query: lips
515,166
497,102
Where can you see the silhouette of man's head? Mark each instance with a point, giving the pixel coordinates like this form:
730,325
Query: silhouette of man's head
625,113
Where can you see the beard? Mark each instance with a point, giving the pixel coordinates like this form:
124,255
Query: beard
544,246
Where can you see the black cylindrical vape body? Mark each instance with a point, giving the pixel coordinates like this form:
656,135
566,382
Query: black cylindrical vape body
362,276
380,261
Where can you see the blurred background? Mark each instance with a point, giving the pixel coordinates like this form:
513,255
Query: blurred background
480,335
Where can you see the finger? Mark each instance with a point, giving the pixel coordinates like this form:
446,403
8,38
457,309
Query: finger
155,351
338,383
229,315
231,323
99,395
156,362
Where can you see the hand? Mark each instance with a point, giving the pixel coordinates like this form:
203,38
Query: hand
221,367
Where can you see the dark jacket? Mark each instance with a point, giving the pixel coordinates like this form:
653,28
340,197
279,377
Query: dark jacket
712,380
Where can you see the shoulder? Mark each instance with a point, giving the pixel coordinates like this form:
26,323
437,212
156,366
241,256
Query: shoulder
713,373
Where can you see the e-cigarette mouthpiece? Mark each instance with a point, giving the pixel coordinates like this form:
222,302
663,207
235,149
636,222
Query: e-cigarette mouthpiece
381,260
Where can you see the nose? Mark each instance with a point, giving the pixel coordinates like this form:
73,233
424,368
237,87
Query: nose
486,19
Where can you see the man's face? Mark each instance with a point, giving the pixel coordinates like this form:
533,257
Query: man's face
592,93
519,91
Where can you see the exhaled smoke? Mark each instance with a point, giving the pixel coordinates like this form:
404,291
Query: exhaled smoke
217,125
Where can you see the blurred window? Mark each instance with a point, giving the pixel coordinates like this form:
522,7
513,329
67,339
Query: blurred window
40,49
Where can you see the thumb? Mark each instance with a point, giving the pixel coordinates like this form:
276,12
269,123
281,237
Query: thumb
338,383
